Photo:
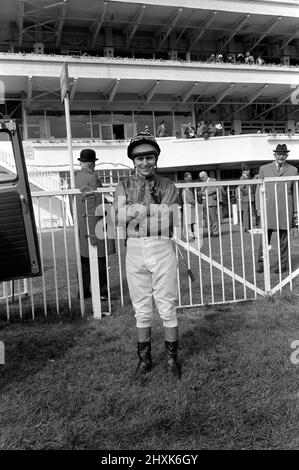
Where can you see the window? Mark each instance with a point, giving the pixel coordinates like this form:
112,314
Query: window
80,125
57,123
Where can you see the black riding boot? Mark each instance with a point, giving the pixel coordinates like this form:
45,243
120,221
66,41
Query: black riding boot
145,360
172,358
171,344
144,351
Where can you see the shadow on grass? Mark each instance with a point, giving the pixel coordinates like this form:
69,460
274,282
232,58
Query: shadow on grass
216,323
29,351
27,314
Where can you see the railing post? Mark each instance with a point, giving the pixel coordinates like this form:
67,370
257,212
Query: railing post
94,271
264,228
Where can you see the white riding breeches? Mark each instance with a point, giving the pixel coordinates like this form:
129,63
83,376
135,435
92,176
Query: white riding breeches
151,269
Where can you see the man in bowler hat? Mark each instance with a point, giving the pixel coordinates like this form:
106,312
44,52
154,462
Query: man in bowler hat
276,169
87,181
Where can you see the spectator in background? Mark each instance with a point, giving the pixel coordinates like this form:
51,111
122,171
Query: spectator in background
209,199
259,60
146,129
87,181
240,58
219,58
205,130
243,198
189,131
212,129
188,200
162,131
249,59
218,129
230,59
212,58
199,128
278,168
297,127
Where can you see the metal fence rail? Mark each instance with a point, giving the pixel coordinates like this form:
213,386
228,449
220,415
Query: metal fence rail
211,269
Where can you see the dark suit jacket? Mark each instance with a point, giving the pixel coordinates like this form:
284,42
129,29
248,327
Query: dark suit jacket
244,190
85,178
270,171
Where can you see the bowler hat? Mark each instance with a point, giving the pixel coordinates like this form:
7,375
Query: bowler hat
87,155
282,148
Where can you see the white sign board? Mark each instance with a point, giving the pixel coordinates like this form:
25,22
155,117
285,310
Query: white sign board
28,150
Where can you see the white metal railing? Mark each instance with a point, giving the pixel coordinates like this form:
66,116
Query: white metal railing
215,265
6,157
45,179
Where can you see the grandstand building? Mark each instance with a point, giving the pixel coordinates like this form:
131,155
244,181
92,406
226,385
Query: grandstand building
133,64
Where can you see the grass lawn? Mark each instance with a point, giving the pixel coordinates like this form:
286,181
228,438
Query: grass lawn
68,384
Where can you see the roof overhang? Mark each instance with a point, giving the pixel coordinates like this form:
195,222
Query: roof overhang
144,82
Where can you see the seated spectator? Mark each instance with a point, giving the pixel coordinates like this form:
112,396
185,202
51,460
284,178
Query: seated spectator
219,58
212,129
205,131
297,127
218,129
212,58
240,58
189,131
259,60
249,59
230,59
199,128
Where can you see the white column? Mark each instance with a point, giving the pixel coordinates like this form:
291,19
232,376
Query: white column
24,121
90,125
173,124
237,126
193,117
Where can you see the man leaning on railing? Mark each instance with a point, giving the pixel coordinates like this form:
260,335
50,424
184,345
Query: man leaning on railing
87,181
